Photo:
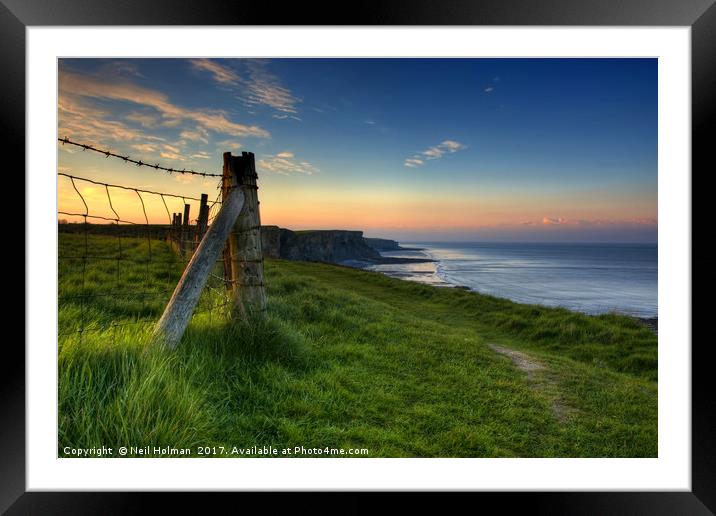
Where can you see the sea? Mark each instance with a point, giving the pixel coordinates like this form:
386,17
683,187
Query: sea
588,278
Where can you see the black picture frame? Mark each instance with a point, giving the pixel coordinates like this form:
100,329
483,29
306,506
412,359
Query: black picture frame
700,15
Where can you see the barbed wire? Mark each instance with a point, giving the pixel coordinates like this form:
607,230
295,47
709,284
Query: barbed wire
97,296
139,163
109,185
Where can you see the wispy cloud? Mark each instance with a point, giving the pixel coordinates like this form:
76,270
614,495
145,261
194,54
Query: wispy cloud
256,86
228,145
171,152
75,85
413,162
199,134
143,119
90,124
491,87
562,221
144,147
285,163
220,73
120,67
284,117
435,152
264,88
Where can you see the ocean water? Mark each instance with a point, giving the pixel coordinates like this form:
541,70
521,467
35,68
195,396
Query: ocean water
589,278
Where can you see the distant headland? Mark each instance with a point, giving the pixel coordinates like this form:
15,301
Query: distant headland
331,245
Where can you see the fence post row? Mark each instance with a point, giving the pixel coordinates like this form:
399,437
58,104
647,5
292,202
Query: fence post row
245,256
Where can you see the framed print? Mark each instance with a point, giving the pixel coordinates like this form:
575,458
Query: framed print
422,249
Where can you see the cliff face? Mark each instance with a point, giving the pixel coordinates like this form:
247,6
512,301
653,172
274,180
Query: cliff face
271,241
383,244
319,246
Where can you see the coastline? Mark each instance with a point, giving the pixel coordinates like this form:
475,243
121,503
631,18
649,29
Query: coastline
430,274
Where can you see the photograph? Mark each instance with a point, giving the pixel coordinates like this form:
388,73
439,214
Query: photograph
357,257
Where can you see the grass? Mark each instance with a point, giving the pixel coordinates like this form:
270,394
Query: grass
345,359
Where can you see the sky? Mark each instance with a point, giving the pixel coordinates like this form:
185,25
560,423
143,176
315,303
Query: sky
412,149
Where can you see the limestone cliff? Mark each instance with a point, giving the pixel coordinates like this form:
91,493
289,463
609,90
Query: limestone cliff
334,246
383,244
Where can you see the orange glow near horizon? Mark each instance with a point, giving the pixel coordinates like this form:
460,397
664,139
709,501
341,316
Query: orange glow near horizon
363,209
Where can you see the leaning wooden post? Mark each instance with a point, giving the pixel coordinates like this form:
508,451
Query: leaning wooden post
178,312
245,253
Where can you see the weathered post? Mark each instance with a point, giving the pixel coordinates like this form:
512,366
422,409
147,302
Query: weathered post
178,312
203,220
176,223
185,242
245,253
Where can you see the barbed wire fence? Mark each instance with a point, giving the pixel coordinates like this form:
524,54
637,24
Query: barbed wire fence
118,269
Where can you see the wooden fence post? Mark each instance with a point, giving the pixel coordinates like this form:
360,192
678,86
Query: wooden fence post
178,312
185,241
175,232
203,220
245,253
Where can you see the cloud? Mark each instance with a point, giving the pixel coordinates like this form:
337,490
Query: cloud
199,134
561,221
143,119
91,125
452,146
489,89
221,74
263,87
121,67
285,117
285,164
171,155
642,220
436,152
256,86
74,85
144,147
227,145
547,221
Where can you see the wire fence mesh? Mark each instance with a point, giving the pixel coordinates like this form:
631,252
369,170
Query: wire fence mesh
118,262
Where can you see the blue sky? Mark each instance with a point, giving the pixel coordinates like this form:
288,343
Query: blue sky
416,149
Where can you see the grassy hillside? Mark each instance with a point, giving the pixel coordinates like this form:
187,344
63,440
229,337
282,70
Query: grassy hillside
349,359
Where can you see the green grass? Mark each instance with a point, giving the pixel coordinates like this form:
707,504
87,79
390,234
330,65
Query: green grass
346,359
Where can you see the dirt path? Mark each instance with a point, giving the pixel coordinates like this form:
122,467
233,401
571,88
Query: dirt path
539,379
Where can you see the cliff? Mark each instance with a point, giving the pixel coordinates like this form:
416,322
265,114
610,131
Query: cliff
333,246
383,244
